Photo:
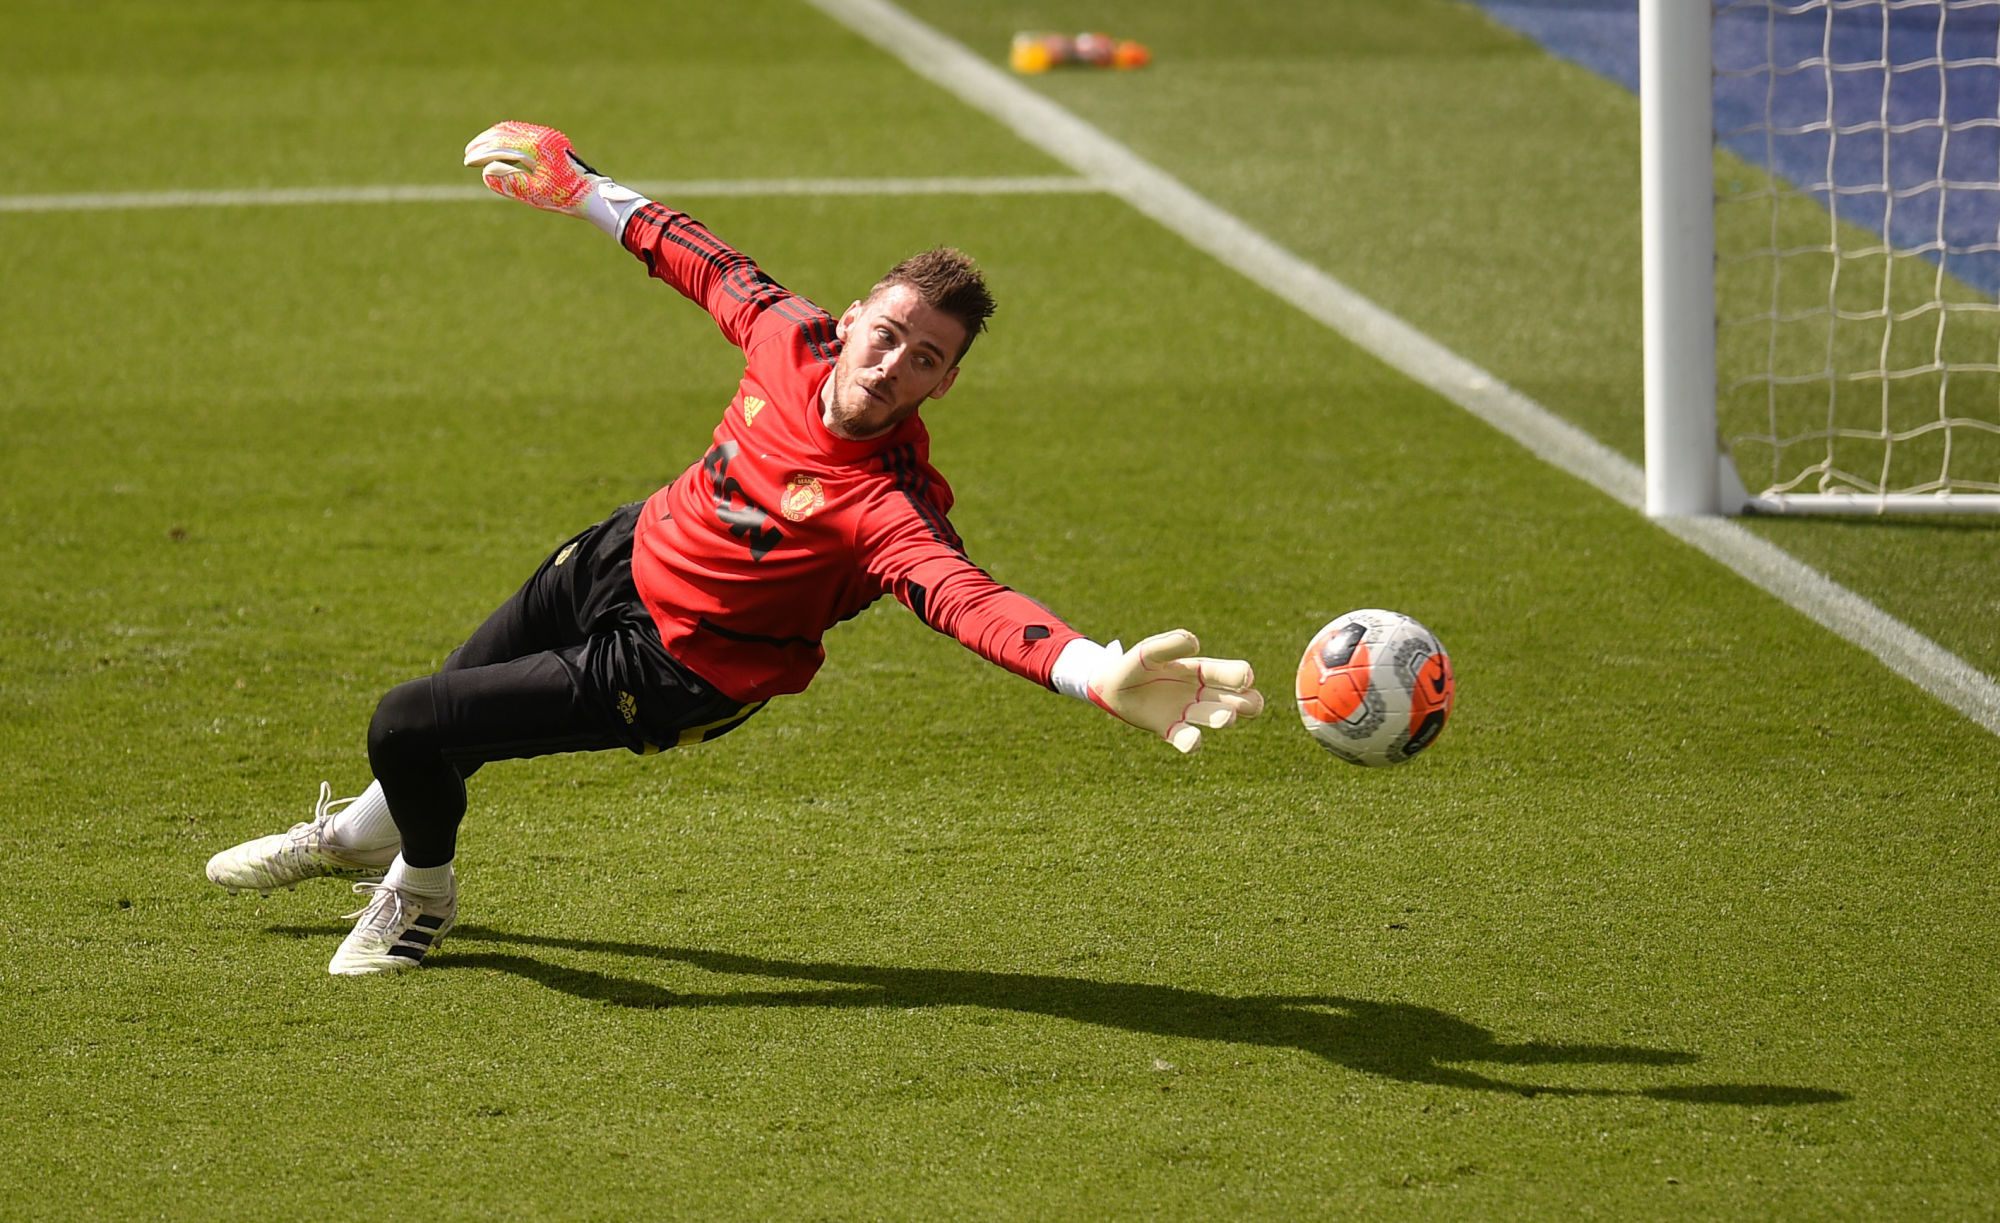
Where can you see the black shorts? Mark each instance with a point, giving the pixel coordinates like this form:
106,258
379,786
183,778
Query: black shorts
573,662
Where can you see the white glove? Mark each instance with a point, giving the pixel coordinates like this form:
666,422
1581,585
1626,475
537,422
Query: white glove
536,165
1161,686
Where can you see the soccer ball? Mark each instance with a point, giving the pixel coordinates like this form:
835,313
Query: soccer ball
1375,687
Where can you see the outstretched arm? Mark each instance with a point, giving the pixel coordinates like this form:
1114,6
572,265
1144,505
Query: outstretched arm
1160,685
537,165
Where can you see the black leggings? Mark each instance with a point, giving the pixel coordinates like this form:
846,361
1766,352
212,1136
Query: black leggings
572,662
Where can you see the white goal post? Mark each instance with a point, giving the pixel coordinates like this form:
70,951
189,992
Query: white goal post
1821,200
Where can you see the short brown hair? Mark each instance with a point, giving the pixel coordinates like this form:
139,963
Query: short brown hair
948,281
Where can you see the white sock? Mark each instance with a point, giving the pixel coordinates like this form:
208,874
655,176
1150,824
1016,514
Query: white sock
430,881
365,823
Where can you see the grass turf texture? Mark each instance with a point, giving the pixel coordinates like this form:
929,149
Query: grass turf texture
1689,912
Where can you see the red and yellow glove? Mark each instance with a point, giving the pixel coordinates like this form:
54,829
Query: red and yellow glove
536,165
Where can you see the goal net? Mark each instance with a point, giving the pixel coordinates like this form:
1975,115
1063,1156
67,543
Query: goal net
1856,241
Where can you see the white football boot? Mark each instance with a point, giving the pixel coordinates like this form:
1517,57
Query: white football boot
284,859
395,931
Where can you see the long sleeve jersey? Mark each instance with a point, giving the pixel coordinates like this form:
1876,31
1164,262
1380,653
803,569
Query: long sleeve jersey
783,529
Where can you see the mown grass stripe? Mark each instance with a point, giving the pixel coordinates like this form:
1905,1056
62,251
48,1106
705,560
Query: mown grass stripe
1089,151
404,194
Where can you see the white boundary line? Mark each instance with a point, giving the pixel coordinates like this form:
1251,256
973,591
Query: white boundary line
385,194
1090,152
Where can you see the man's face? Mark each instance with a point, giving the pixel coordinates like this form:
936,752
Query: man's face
898,351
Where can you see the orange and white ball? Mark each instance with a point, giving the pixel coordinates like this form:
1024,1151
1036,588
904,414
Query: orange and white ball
1375,687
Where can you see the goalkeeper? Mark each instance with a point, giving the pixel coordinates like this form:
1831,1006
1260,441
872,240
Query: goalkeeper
676,619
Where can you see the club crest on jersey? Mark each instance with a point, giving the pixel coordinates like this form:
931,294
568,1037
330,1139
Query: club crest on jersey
751,406
804,497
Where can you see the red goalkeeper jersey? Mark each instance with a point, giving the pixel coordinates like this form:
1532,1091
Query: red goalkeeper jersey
783,530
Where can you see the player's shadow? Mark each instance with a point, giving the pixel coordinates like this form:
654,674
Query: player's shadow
1410,1044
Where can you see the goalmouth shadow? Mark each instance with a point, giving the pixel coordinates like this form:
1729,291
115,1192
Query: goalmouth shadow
1393,1040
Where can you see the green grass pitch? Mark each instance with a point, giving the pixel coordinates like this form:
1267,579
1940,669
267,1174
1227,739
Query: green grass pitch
1690,913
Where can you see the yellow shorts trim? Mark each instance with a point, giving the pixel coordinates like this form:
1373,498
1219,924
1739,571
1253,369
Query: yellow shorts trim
708,730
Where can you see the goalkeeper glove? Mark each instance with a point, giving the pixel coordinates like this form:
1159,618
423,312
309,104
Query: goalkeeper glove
1160,685
536,165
